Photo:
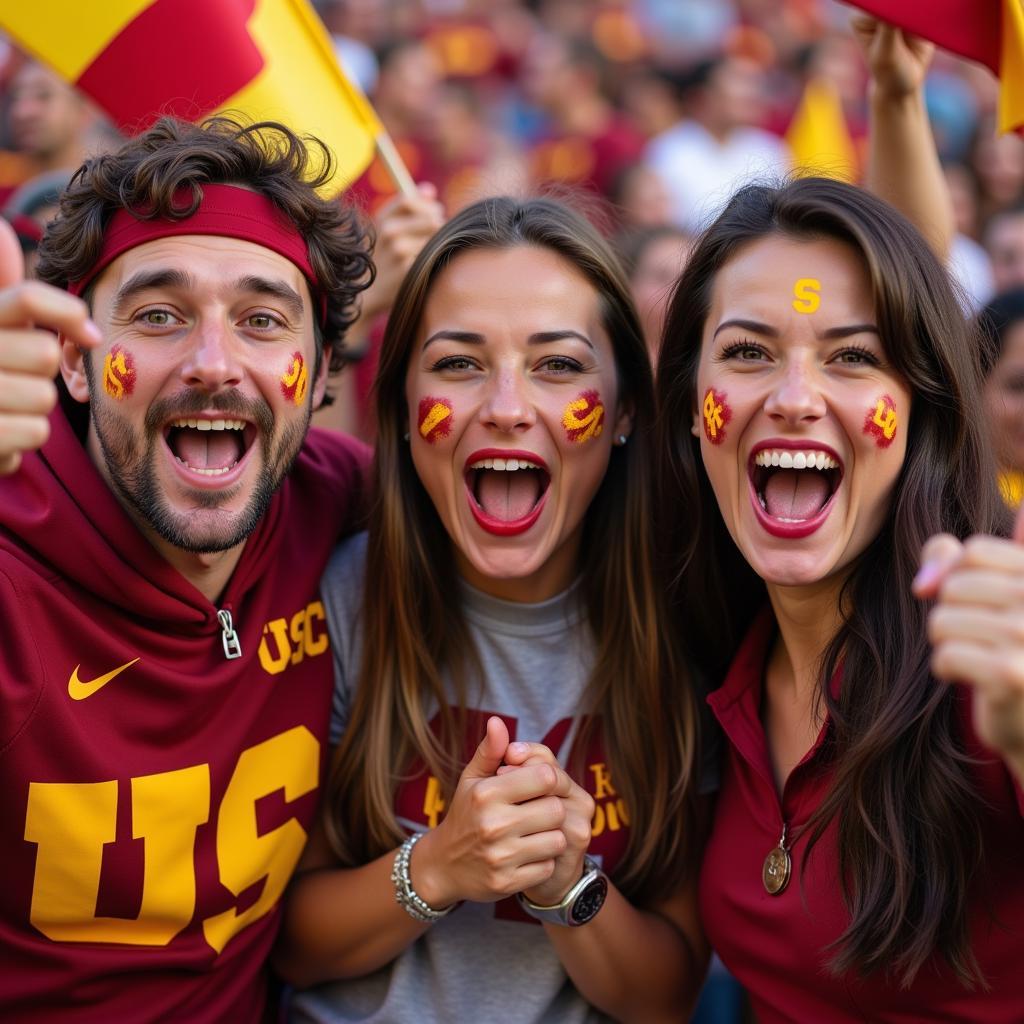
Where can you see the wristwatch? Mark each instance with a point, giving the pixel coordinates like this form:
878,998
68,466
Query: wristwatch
579,905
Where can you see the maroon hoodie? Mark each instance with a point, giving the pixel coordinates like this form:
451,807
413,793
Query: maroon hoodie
154,794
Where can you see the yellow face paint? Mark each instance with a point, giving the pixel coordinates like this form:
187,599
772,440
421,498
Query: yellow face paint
716,414
435,419
881,422
295,380
584,417
118,373
805,295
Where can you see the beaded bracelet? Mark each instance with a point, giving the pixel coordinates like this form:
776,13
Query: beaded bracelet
405,895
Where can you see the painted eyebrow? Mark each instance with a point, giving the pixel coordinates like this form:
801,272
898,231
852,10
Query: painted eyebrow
770,332
145,280
539,338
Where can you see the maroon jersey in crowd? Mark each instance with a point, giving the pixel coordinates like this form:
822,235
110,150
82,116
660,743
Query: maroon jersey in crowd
590,161
779,946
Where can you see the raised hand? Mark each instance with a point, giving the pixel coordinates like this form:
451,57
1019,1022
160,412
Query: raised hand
579,815
898,62
502,833
403,226
30,355
977,630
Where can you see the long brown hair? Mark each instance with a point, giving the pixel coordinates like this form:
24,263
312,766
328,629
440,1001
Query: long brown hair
412,637
902,799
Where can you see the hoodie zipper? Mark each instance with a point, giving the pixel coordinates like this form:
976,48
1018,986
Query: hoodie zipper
228,636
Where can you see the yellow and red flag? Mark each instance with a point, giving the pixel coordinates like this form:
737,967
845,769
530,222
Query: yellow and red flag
818,138
140,59
988,31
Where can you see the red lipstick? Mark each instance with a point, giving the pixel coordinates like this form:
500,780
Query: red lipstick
492,524
794,529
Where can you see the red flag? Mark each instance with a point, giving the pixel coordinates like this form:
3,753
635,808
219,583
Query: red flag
988,31
138,59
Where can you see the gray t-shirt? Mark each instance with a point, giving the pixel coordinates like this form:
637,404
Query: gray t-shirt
484,961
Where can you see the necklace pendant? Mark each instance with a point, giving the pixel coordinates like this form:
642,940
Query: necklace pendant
777,867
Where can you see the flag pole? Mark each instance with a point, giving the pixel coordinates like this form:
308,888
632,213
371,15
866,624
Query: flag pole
393,163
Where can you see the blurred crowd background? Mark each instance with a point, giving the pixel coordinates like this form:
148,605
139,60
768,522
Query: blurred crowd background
659,106
655,109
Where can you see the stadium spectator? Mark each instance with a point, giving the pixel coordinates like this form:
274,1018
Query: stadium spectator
164,687
1003,321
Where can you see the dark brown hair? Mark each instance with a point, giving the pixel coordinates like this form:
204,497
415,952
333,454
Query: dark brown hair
267,157
639,689
901,796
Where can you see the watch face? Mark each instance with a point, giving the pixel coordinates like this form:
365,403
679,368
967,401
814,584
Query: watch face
590,901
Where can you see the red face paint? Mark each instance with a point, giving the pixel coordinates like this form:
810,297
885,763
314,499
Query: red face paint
118,373
435,419
881,421
295,380
716,415
584,417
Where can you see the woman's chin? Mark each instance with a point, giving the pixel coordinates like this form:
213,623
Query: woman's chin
792,568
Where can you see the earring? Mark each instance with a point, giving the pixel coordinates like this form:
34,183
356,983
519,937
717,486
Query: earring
621,438
405,436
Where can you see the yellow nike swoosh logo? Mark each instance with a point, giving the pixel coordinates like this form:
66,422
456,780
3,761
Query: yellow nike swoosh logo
79,690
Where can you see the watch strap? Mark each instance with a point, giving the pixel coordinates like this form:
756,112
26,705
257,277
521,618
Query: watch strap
579,905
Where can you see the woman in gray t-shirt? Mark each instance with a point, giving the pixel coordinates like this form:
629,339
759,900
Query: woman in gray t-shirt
507,702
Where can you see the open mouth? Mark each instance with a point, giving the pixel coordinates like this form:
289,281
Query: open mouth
209,447
793,488
506,490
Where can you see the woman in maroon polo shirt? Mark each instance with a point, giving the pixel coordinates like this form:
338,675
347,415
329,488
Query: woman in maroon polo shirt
822,418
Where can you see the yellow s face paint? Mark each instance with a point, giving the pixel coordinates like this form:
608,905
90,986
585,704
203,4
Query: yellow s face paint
805,295
584,417
881,422
118,373
295,380
435,418
716,414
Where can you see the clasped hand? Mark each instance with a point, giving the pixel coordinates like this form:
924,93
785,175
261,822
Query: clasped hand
516,823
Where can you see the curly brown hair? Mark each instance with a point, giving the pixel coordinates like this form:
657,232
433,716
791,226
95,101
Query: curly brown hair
267,157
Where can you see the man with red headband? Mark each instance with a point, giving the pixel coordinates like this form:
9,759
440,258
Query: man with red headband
164,676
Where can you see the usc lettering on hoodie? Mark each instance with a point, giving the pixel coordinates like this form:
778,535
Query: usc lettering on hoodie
155,793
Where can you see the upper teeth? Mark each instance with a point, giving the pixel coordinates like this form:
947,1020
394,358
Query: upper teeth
211,424
505,464
785,459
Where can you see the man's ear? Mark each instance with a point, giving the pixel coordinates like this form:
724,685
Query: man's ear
320,384
72,369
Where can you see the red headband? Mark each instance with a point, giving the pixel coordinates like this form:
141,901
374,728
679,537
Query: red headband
224,210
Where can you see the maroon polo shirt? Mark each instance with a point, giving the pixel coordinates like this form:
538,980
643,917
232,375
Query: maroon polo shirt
777,945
